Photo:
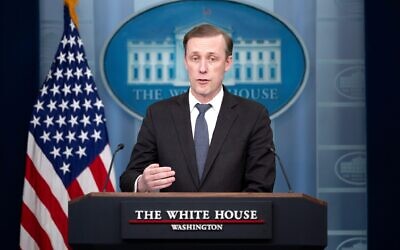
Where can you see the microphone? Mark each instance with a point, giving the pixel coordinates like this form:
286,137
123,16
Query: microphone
119,147
283,169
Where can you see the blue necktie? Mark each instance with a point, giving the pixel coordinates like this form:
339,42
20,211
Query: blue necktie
201,141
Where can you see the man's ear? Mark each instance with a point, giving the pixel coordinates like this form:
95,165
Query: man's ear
185,62
228,63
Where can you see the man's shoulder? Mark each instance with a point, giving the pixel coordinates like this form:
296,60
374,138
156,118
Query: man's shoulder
168,102
244,102
247,109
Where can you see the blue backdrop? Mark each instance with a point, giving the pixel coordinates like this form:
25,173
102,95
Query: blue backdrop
321,138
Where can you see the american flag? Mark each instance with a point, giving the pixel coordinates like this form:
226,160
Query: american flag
68,153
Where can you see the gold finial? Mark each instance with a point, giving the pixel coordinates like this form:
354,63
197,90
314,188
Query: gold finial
72,12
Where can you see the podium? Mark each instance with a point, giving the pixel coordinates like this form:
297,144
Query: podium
197,221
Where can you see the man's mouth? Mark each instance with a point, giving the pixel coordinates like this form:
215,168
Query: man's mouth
203,81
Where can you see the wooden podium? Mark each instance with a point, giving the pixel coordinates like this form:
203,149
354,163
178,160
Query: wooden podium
197,221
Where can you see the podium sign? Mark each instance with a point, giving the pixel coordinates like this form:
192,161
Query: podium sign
207,218
234,221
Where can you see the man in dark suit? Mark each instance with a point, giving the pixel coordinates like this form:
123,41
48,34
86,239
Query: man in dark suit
206,140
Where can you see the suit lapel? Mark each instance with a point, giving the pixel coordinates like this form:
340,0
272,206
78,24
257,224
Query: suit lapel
181,117
226,117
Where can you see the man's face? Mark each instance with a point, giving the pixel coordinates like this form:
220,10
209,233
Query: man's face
206,63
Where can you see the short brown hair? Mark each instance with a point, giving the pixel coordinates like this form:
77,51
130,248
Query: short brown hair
208,30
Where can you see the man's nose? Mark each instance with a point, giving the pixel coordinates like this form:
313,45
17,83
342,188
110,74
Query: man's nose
203,66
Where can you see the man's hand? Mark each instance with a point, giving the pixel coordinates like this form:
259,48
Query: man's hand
155,178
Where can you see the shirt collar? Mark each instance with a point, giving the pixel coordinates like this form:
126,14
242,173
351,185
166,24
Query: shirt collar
216,102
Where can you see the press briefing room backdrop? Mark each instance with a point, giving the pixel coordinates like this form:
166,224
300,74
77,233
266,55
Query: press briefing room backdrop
334,118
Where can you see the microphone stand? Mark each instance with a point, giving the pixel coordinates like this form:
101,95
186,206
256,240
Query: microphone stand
283,170
119,147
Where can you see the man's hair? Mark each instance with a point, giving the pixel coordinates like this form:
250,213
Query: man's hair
208,30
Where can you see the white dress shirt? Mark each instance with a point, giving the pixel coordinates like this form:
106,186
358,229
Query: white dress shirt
211,114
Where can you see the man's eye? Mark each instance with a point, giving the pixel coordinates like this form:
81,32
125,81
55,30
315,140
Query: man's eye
195,59
212,59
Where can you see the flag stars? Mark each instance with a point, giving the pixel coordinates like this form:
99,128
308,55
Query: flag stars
73,121
71,57
61,121
66,89
98,104
52,105
68,73
38,106
71,41
88,88
70,136
48,77
58,74
45,137
64,41
77,89
83,136
75,105
72,25
43,90
96,135
55,152
98,119
63,105
68,152
85,120
58,137
81,151
61,58
79,57
65,168
80,43
78,73
49,121
87,104
88,73
55,89
35,121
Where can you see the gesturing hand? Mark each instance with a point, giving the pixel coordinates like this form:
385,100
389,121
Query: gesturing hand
155,178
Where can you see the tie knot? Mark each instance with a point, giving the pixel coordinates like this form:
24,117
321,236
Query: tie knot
203,107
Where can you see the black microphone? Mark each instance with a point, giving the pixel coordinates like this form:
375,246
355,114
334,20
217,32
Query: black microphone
283,170
119,147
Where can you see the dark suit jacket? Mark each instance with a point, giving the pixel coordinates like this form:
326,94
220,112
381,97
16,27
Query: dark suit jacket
239,158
